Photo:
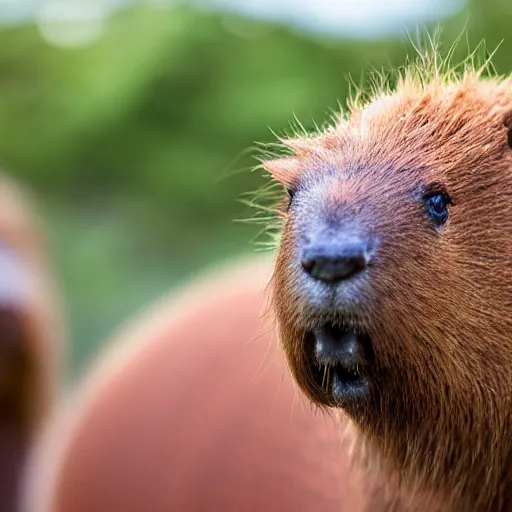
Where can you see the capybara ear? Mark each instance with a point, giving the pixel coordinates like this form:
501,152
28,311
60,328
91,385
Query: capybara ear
284,170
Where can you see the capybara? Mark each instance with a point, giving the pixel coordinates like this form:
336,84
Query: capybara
392,286
31,335
191,409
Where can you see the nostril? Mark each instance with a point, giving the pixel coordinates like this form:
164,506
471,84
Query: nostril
334,261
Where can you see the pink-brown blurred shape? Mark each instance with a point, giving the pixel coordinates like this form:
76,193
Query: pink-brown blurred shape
192,410
31,335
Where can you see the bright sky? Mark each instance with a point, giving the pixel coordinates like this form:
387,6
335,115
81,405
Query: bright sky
356,18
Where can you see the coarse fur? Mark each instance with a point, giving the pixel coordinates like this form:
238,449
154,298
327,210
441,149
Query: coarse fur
437,301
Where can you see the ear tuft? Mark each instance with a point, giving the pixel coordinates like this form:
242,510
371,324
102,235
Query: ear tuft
284,170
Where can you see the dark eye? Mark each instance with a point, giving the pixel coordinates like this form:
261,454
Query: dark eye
437,205
291,194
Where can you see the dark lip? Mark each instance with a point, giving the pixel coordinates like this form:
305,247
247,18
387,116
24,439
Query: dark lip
341,357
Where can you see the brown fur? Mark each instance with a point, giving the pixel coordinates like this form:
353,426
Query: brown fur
31,333
191,410
439,304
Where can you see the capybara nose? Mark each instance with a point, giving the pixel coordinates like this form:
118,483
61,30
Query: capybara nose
334,261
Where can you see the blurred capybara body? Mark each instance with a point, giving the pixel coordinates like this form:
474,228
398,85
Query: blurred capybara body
31,336
192,410
393,283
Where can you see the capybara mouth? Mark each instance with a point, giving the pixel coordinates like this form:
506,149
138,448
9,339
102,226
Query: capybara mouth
341,358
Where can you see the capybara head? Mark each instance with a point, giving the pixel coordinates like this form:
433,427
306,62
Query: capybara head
393,279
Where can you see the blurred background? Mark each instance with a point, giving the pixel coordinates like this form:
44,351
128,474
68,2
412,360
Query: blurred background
133,122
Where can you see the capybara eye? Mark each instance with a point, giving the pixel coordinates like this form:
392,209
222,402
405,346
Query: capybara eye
291,193
437,201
